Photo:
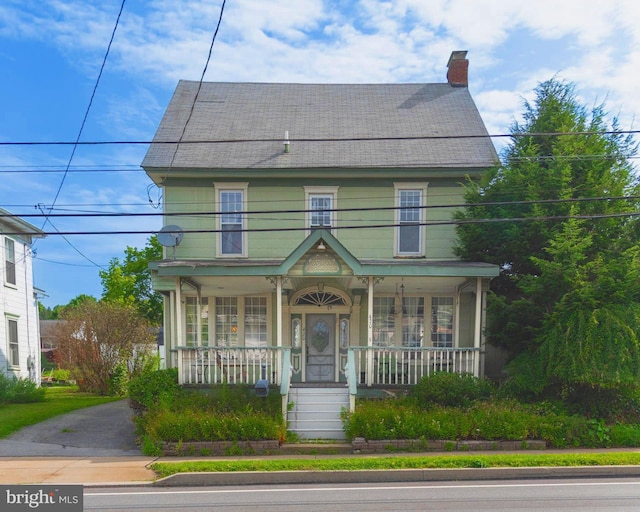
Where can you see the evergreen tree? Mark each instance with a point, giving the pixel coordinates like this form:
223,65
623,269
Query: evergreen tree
563,299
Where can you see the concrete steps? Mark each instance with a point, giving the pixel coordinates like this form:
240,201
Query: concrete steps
316,411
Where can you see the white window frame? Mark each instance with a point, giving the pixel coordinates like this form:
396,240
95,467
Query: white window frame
311,192
13,362
237,305
222,188
9,247
399,188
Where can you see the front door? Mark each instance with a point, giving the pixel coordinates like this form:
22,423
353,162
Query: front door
321,347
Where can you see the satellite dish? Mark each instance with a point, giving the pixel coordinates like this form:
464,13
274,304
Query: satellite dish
170,236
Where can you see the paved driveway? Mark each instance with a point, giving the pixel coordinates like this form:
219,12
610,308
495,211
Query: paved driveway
100,431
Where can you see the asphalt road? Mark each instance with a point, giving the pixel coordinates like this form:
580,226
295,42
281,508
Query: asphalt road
584,495
105,430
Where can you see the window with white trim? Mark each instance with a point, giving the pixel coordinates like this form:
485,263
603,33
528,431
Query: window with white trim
255,321
227,321
232,235
409,219
442,322
383,321
12,338
412,321
241,321
197,321
321,203
9,261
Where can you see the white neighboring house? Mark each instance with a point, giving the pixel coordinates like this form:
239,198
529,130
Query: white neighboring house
19,319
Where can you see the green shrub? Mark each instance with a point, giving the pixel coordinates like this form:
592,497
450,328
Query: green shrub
19,391
186,426
154,389
451,390
625,435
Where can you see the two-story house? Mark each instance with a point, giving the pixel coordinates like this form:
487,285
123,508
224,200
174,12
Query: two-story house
19,323
309,232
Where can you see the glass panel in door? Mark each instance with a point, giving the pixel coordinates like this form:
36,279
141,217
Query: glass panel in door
321,347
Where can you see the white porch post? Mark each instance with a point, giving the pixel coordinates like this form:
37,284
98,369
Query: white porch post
279,311
478,327
279,328
178,313
370,333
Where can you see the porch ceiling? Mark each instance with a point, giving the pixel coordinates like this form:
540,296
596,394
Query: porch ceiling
258,285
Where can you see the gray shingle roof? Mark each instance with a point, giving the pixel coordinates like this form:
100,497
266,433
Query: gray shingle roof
262,112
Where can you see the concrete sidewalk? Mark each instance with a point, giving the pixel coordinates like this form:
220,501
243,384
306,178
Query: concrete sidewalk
134,471
89,471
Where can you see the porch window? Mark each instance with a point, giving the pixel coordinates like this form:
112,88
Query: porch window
10,261
412,321
227,321
255,321
197,321
12,336
383,321
442,322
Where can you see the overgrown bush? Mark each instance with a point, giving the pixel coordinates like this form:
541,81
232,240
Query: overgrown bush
191,425
154,388
494,420
450,390
19,391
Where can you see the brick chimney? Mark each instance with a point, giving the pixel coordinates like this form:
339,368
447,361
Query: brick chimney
458,72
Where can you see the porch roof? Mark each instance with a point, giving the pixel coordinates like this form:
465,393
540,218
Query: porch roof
359,267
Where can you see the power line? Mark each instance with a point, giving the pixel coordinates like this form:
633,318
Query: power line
352,227
323,139
77,141
334,210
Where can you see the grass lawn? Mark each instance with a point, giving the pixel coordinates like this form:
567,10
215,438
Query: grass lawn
58,400
401,462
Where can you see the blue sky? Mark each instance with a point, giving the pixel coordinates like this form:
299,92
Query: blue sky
51,52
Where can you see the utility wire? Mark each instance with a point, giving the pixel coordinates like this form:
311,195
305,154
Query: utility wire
335,210
77,141
321,139
352,227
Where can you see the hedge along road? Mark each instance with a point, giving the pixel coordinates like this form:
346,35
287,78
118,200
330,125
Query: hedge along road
105,430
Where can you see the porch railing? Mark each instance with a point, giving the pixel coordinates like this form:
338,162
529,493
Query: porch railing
406,366
367,365
231,365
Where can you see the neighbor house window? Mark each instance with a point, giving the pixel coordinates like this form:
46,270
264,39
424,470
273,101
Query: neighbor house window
321,201
232,238
197,321
12,337
383,321
10,261
409,220
442,322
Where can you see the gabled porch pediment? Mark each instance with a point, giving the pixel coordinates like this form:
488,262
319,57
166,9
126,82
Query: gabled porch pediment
321,254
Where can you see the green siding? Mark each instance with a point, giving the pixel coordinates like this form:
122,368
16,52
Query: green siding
286,196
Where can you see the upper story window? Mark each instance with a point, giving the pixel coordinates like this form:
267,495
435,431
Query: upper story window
409,239
9,261
232,236
321,205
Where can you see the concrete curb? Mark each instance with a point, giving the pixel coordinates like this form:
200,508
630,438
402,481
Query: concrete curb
395,475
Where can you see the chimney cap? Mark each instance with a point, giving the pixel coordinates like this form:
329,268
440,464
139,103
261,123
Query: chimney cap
457,55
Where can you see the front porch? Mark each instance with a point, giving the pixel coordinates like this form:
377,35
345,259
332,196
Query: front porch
370,366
